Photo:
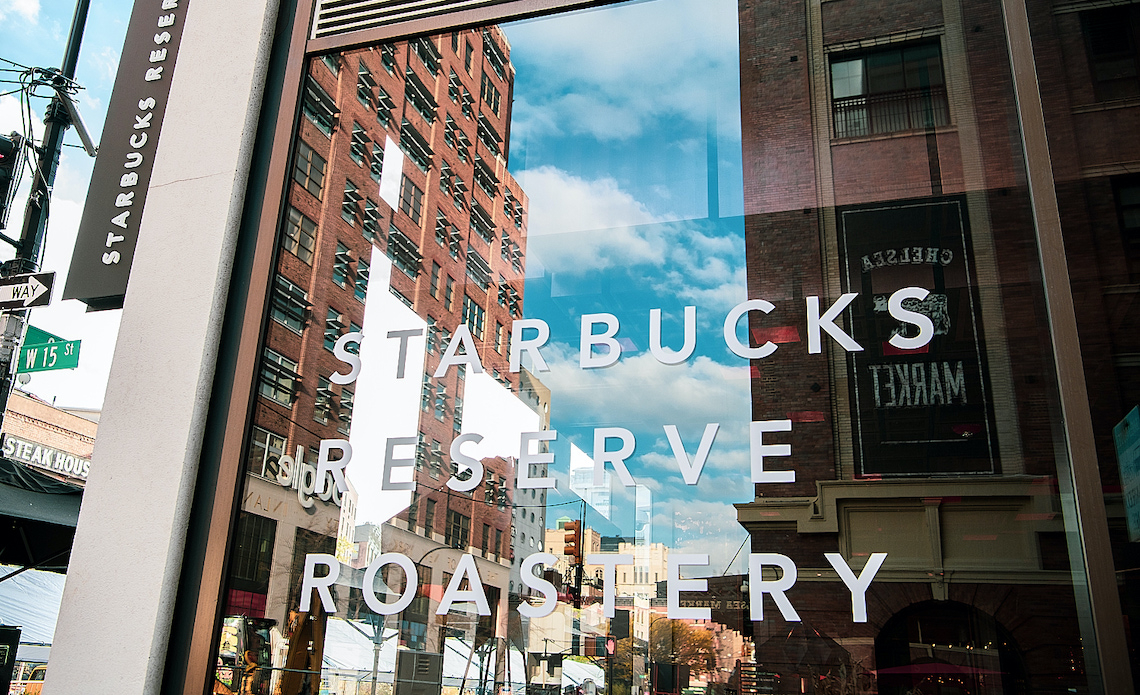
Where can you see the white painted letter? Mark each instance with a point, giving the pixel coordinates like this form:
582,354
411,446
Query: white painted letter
411,583
472,594
925,325
617,458
353,361
666,355
730,321
759,450
857,585
462,336
609,563
335,467
519,345
827,323
691,469
310,581
757,587
462,459
549,593
675,585
587,359
526,459
390,462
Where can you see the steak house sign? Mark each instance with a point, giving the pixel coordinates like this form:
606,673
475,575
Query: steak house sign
528,336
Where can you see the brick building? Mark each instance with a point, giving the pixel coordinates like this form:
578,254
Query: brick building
878,155
445,245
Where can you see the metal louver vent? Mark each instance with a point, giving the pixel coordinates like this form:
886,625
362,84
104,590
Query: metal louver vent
342,16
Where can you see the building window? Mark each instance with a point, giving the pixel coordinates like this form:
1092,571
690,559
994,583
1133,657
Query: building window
440,405
428,54
498,337
468,54
889,90
433,287
333,63
478,269
419,96
365,86
265,450
376,164
384,106
309,169
427,392
432,337
278,379
1128,211
487,135
490,94
415,146
344,411
494,55
404,253
319,107
388,57
251,565
1110,39
413,511
370,225
334,324
485,541
360,283
453,85
429,517
350,210
448,295
474,316
340,265
458,529
411,200
300,235
322,405
498,541
290,305
457,415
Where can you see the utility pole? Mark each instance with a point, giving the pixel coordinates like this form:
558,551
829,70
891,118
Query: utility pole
56,122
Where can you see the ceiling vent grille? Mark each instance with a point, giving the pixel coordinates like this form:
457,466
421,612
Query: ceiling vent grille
343,16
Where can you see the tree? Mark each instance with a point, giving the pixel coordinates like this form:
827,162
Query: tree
678,642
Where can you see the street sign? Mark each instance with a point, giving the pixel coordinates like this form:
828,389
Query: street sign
23,291
47,356
36,336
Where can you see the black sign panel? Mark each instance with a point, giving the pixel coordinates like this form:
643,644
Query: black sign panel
108,230
924,411
26,291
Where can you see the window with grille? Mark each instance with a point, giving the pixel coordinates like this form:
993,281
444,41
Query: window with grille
319,107
1110,40
350,210
334,324
404,252
360,283
428,54
419,96
252,563
278,380
495,56
388,57
323,403
487,135
358,148
290,304
376,163
309,169
370,225
384,106
415,146
341,263
300,237
365,86
889,90
478,269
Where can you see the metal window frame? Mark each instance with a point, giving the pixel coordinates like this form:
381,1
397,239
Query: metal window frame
198,608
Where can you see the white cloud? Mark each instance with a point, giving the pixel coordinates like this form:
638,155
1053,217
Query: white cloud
609,79
28,9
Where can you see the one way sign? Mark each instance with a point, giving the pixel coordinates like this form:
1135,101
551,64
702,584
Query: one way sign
24,291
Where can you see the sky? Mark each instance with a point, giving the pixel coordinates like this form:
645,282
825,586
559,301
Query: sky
35,35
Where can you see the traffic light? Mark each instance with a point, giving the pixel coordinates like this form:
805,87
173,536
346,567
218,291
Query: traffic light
11,147
573,541
611,645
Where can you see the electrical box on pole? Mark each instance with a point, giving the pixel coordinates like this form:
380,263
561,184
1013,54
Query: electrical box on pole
11,150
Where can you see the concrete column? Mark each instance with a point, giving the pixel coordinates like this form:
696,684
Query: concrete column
113,628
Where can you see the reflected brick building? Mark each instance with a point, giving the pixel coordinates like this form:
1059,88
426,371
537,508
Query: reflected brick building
882,151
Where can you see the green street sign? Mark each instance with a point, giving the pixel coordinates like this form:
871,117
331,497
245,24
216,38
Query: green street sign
38,336
63,354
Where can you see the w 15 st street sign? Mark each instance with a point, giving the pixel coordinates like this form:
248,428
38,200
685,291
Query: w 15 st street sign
25,291
63,354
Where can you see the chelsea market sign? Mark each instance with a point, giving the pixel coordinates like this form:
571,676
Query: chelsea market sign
528,336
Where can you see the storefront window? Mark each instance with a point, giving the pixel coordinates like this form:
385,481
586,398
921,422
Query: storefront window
706,350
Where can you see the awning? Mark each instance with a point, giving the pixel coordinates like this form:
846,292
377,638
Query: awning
38,515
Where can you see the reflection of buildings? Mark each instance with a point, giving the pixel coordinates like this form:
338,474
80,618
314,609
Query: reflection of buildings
452,252
57,441
942,458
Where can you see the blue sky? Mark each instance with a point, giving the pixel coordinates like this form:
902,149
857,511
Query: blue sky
35,34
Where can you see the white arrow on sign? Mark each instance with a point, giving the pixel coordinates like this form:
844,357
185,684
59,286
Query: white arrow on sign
27,291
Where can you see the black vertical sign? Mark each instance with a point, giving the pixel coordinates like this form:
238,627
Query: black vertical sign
108,230
923,411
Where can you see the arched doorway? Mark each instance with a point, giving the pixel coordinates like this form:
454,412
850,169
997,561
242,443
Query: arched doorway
947,648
